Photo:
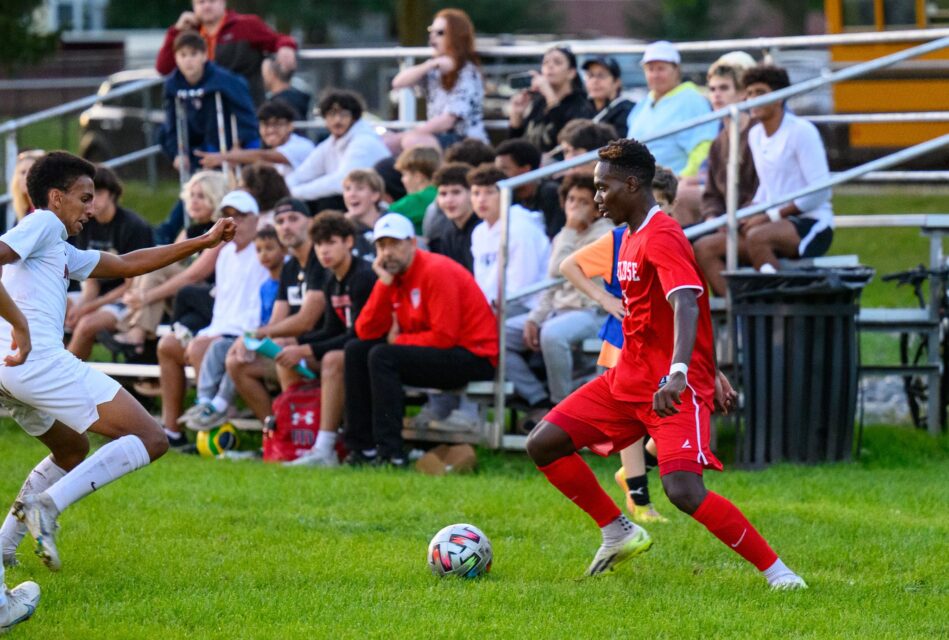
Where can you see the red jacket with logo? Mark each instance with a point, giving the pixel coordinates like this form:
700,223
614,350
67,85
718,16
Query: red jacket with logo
437,303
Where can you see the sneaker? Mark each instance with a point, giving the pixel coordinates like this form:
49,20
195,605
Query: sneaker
788,582
390,462
608,558
177,444
21,603
207,419
315,459
422,420
457,420
192,413
39,514
10,560
646,514
358,459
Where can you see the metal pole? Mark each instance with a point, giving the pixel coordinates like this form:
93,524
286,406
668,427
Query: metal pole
933,356
222,135
500,398
9,166
731,241
151,166
184,152
235,144
406,96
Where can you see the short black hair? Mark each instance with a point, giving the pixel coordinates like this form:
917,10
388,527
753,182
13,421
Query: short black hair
191,40
521,151
329,224
55,170
276,110
453,173
774,77
632,157
105,178
265,183
267,233
343,99
470,151
666,183
576,181
486,175
581,133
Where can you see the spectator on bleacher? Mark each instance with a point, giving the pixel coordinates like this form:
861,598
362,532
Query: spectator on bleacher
452,83
426,324
580,136
347,286
468,151
670,102
665,187
517,157
603,80
362,195
556,96
197,81
215,388
19,198
237,280
789,155
112,229
236,41
352,144
277,85
282,148
454,201
417,166
563,317
298,309
150,296
528,246
264,182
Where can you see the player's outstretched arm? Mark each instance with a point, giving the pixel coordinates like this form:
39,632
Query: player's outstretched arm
142,261
686,314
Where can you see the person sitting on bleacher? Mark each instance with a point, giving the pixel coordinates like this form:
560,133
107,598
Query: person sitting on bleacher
298,309
238,276
426,324
417,165
454,201
580,136
789,155
563,317
362,195
517,157
282,148
113,229
347,287
469,151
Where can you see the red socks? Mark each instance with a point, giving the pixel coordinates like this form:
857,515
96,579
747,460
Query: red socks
728,524
574,478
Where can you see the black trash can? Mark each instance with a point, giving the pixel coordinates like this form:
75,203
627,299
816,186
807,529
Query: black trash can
797,340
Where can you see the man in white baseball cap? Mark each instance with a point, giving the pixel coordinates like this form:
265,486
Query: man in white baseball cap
661,51
393,225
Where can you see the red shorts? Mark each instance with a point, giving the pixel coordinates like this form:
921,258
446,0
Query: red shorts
593,418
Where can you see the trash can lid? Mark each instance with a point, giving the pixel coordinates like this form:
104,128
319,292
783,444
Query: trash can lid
748,281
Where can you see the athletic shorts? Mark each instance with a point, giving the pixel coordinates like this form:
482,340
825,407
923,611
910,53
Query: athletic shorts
813,242
56,387
594,418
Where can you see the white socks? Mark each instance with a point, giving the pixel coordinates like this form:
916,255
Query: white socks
777,570
617,531
325,442
42,477
110,462
219,404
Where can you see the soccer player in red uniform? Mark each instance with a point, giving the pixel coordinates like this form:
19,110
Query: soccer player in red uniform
667,346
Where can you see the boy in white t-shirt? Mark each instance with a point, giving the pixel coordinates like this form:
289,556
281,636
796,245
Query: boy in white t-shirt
55,396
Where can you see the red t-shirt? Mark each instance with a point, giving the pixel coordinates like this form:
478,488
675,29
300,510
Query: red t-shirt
654,261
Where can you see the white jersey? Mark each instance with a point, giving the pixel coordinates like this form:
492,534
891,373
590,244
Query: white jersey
237,280
37,282
528,253
295,150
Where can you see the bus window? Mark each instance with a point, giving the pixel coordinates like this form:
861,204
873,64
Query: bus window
858,13
899,14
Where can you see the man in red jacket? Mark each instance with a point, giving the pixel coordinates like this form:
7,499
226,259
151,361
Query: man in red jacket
236,41
426,324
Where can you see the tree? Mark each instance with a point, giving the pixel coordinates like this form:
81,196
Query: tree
20,42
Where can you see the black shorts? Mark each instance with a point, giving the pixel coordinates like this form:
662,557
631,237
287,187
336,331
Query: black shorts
813,243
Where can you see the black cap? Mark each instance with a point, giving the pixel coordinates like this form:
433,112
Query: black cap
608,62
291,204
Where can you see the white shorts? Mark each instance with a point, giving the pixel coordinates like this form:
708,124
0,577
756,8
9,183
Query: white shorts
55,387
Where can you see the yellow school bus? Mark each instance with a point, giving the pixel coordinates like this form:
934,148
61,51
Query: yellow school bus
921,84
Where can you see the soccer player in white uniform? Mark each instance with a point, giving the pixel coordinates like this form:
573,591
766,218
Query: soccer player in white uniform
54,396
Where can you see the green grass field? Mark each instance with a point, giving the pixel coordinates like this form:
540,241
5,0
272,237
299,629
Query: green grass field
198,548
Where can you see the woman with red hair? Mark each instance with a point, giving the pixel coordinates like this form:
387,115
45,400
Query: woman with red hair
452,83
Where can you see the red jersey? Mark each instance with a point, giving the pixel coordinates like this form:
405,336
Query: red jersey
437,304
654,261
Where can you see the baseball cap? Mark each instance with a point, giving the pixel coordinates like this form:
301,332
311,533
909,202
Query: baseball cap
661,51
608,62
393,225
241,201
291,204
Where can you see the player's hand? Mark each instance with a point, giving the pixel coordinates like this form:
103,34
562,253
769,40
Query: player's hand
291,355
241,353
384,276
614,307
134,300
74,314
726,398
665,400
394,330
187,20
518,106
286,59
222,231
209,159
21,345
532,335
746,224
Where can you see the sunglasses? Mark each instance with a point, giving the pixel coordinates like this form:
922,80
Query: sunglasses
436,32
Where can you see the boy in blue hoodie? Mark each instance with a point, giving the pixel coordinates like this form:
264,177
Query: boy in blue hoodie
197,80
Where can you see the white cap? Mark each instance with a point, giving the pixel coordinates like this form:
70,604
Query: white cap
393,225
240,200
661,51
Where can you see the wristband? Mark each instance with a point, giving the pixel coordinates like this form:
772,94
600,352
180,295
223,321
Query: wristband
679,367
774,214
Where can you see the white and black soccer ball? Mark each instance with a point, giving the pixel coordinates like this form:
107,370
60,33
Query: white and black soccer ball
460,550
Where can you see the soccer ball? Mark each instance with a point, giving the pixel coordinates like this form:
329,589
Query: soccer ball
219,439
460,550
